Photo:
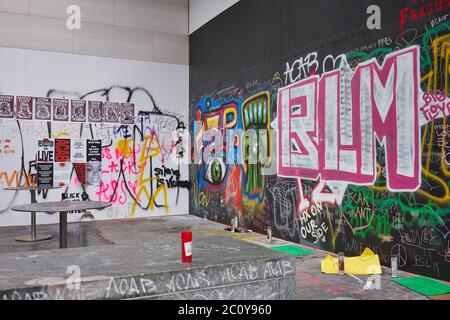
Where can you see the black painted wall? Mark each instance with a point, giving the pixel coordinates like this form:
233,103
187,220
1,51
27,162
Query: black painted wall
245,51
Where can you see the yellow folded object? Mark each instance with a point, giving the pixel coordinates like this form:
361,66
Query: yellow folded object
329,265
367,263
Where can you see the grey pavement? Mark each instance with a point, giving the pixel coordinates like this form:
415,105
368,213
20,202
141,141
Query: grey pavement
93,241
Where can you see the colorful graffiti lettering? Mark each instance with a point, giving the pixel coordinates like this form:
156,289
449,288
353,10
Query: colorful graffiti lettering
361,145
332,136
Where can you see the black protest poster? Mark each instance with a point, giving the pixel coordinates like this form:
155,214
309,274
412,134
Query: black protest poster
44,174
60,110
24,108
46,151
127,113
94,150
43,109
95,111
78,111
6,107
111,112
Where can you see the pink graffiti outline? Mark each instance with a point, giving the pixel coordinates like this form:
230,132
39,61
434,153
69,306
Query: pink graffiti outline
381,130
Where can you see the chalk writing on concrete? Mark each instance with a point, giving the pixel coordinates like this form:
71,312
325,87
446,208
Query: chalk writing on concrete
129,287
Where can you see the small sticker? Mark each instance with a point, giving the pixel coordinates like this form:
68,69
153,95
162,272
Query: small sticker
188,249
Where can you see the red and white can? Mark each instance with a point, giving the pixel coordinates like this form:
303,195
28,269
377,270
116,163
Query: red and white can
186,246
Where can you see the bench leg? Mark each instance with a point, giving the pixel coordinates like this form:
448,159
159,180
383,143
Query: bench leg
33,237
33,215
33,225
63,230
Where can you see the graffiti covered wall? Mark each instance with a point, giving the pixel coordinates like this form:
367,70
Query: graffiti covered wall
143,169
334,135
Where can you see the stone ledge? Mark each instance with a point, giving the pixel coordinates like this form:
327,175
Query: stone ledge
280,289
223,266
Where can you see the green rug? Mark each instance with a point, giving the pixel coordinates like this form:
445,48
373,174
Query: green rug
292,250
425,286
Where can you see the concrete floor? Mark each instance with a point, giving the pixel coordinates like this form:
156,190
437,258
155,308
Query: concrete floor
311,283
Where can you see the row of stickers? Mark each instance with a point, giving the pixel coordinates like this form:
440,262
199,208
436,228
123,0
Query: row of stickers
48,109
56,158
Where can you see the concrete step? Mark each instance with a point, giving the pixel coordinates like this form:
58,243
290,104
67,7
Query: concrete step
223,268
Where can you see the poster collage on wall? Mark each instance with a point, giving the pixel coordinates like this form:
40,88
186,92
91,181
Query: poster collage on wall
56,158
56,109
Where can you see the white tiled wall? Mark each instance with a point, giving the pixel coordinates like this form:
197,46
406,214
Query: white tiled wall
149,30
107,40
152,15
14,6
33,32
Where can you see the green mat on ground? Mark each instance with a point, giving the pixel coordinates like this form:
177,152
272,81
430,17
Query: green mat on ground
292,250
425,286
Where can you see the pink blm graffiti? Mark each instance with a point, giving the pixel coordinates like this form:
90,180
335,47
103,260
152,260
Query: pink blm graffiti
328,125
